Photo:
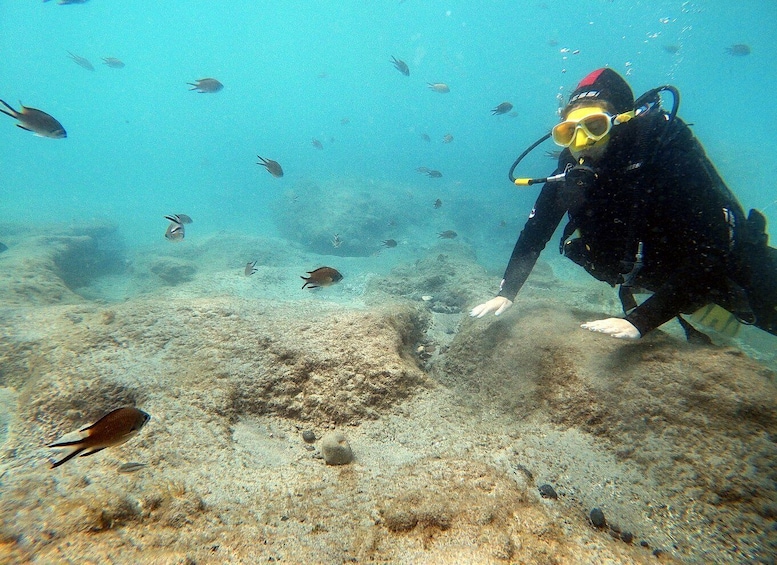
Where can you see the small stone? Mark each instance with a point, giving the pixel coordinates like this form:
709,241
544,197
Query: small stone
336,449
627,537
597,518
643,543
547,491
308,436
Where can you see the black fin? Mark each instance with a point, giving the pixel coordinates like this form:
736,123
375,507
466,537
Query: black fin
66,459
68,443
692,335
13,113
93,452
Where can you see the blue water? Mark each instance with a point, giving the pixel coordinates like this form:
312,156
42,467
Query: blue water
141,145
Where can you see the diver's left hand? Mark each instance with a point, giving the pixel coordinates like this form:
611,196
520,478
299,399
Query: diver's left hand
616,327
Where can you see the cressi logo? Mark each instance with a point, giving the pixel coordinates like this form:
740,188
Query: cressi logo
586,94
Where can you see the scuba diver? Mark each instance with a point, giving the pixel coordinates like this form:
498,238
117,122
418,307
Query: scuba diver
647,211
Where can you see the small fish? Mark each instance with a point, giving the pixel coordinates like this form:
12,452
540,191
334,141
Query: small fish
390,243
336,241
112,429
423,170
448,234
673,49
434,174
425,137
179,218
130,467
206,85
113,62
273,167
437,203
401,66
447,138
3,247
738,50
81,61
317,144
36,121
345,121
65,2
502,108
175,231
323,276
440,87
250,268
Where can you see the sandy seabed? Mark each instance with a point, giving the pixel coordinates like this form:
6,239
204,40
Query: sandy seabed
454,423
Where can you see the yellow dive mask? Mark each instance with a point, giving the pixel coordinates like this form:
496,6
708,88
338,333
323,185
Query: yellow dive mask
593,122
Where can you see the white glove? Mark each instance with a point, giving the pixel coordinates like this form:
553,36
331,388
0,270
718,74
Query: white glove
496,305
616,327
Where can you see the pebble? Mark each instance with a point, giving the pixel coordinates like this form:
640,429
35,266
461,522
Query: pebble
627,537
597,518
547,491
308,436
336,449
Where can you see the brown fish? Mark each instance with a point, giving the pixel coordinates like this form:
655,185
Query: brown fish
206,85
250,268
113,62
401,66
502,108
434,174
112,429
437,203
317,144
323,276
440,87
36,121
390,243
81,61
273,167
447,234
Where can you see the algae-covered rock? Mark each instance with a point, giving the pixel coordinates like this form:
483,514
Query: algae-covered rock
335,449
173,270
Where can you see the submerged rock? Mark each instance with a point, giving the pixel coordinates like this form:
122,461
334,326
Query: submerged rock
172,270
336,449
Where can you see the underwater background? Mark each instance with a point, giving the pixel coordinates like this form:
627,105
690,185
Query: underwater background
141,145
458,426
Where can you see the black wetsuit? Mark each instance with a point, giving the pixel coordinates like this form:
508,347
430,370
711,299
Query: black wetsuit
656,186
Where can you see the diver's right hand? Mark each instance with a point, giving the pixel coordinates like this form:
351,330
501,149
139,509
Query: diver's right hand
496,305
